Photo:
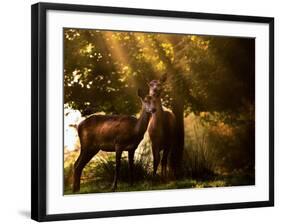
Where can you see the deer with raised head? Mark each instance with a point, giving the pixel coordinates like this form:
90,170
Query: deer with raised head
161,128
111,133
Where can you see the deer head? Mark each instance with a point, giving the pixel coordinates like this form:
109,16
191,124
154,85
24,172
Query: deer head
152,104
155,86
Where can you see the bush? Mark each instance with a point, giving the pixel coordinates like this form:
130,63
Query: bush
214,147
199,155
105,169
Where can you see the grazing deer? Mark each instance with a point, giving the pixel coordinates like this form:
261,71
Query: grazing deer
161,128
111,133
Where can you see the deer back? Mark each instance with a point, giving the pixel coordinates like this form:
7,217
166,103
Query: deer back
107,130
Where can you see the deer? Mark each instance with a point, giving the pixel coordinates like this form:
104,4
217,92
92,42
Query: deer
161,128
112,133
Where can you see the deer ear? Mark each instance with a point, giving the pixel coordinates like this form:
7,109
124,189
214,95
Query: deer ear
163,78
141,93
146,81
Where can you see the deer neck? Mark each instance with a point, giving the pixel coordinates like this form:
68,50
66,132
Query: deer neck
158,115
142,122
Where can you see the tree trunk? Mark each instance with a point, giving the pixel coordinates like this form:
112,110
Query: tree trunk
178,146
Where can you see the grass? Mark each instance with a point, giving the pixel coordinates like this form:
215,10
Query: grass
98,175
147,185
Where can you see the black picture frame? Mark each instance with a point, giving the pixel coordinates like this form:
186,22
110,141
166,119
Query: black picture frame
39,122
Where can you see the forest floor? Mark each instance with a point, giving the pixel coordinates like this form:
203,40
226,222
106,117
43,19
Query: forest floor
103,187
98,175
96,186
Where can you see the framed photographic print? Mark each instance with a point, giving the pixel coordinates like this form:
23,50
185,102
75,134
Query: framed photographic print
139,111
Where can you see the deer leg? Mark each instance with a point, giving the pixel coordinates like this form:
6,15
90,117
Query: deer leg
164,163
118,153
156,158
76,174
79,165
131,154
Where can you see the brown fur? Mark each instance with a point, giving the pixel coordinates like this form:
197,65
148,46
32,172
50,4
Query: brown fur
161,127
111,134
161,132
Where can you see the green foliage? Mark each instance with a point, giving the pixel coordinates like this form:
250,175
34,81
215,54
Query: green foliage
103,69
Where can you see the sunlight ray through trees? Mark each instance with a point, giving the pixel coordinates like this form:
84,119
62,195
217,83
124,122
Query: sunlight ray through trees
210,89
